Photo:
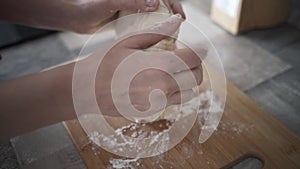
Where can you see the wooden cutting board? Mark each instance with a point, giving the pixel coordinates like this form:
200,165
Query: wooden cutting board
246,130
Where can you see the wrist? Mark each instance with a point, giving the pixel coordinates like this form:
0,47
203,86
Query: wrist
62,89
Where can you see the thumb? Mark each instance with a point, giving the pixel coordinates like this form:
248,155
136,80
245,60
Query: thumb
150,36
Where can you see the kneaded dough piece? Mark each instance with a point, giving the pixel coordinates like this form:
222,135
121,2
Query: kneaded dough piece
139,22
145,20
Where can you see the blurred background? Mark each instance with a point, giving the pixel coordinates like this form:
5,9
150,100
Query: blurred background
264,62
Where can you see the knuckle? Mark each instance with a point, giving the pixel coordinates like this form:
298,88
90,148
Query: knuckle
79,26
200,52
160,80
197,59
197,53
189,56
165,87
86,29
170,63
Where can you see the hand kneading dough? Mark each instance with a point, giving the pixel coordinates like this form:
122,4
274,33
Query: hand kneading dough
140,22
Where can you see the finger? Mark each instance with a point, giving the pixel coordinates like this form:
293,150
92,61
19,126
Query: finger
176,61
191,58
177,8
181,97
188,79
151,5
148,37
136,5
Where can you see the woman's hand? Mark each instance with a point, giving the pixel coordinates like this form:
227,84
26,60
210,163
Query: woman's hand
81,16
149,79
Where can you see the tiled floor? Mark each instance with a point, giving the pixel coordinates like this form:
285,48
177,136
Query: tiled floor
33,56
54,149
51,140
8,158
275,39
281,94
245,63
263,63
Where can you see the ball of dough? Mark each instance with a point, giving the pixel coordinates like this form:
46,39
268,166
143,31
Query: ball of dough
145,20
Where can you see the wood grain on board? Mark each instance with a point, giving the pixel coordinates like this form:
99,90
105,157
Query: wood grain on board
262,136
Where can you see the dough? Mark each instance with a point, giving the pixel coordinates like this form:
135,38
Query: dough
144,20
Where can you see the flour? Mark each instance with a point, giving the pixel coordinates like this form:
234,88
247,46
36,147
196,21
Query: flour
160,140
234,128
185,150
124,163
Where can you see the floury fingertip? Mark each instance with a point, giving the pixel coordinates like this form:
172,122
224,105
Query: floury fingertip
151,3
178,15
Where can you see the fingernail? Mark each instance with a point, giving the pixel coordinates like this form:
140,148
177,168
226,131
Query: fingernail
178,15
151,3
149,9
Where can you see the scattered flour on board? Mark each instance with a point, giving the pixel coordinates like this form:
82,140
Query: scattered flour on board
160,140
124,163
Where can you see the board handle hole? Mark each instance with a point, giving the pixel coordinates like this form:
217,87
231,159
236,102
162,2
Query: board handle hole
248,162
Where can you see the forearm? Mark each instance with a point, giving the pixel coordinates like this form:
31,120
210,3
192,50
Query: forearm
44,14
34,101
81,16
